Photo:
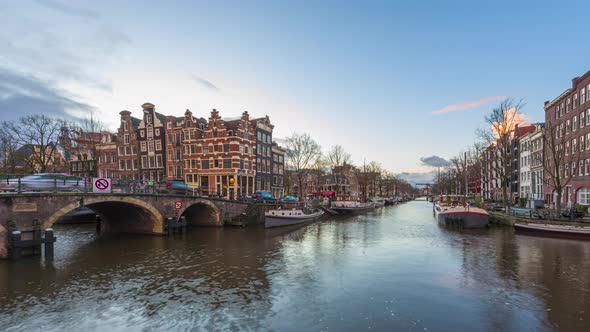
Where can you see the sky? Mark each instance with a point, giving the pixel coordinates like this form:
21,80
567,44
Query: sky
390,81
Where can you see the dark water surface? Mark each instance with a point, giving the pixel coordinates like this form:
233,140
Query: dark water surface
394,269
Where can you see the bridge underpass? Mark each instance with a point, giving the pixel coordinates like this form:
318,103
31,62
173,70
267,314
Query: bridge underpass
121,213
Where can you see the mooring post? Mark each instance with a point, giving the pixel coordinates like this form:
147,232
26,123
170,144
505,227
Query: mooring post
49,240
98,224
167,225
15,251
183,223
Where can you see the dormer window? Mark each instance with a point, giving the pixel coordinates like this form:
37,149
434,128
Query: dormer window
188,124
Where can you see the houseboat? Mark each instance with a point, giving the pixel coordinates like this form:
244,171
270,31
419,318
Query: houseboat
287,217
454,211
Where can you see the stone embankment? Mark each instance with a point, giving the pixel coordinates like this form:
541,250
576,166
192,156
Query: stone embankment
503,219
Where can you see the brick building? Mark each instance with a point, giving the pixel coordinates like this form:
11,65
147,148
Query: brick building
127,147
278,171
192,131
227,158
151,144
568,117
106,150
263,153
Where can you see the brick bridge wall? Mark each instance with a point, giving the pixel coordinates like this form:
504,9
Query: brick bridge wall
128,213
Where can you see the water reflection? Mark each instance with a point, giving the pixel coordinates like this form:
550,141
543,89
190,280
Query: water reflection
391,269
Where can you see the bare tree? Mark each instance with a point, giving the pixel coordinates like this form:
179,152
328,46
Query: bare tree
82,140
8,152
302,152
501,124
337,159
560,159
39,134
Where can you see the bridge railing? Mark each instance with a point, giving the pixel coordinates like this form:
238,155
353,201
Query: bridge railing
54,183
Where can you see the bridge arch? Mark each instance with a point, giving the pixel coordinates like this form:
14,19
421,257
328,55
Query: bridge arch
118,214
202,213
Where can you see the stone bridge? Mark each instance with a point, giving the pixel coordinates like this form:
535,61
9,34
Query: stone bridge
127,213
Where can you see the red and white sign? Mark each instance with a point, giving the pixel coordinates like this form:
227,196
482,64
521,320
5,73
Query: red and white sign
101,185
178,205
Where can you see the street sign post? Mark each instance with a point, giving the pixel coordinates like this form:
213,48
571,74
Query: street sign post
101,185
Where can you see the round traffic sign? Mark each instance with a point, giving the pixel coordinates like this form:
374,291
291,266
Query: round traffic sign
101,184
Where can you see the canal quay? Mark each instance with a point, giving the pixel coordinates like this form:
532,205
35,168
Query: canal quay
392,269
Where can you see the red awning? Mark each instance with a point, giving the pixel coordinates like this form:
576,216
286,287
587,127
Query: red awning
324,193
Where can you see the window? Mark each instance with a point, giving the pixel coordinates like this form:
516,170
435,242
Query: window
157,132
152,161
216,163
144,163
121,151
127,150
215,133
125,126
582,96
150,146
582,119
159,161
204,164
587,171
225,147
143,146
581,168
575,123
126,137
142,133
226,163
205,149
150,133
169,125
148,118
583,196
128,164
134,164
134,150
158,145
258,135
121,164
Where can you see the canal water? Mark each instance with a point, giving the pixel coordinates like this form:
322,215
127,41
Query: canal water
392,269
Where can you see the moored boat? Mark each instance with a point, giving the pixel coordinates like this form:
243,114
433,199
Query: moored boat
379,202
280,217
343,207
565,231
449,212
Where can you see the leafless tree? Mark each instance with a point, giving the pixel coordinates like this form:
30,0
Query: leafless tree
560,159
501,122
39,134
302,153
8,152
337,158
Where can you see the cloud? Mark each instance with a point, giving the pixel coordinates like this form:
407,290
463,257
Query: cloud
67,8
467,104
24,95
415,178
205,83
435,161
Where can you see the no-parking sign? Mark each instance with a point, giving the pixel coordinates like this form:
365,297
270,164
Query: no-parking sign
101,185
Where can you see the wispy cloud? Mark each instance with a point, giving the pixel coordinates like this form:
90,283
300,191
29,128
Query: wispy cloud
67,8
206,83
21,94
467,104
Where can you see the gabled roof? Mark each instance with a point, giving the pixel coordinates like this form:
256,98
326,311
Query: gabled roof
161,117
135,122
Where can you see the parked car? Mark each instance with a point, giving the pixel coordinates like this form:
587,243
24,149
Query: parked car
48,182
289,199
263,196
173,187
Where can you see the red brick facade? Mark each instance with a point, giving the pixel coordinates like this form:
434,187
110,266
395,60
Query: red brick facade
569,113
